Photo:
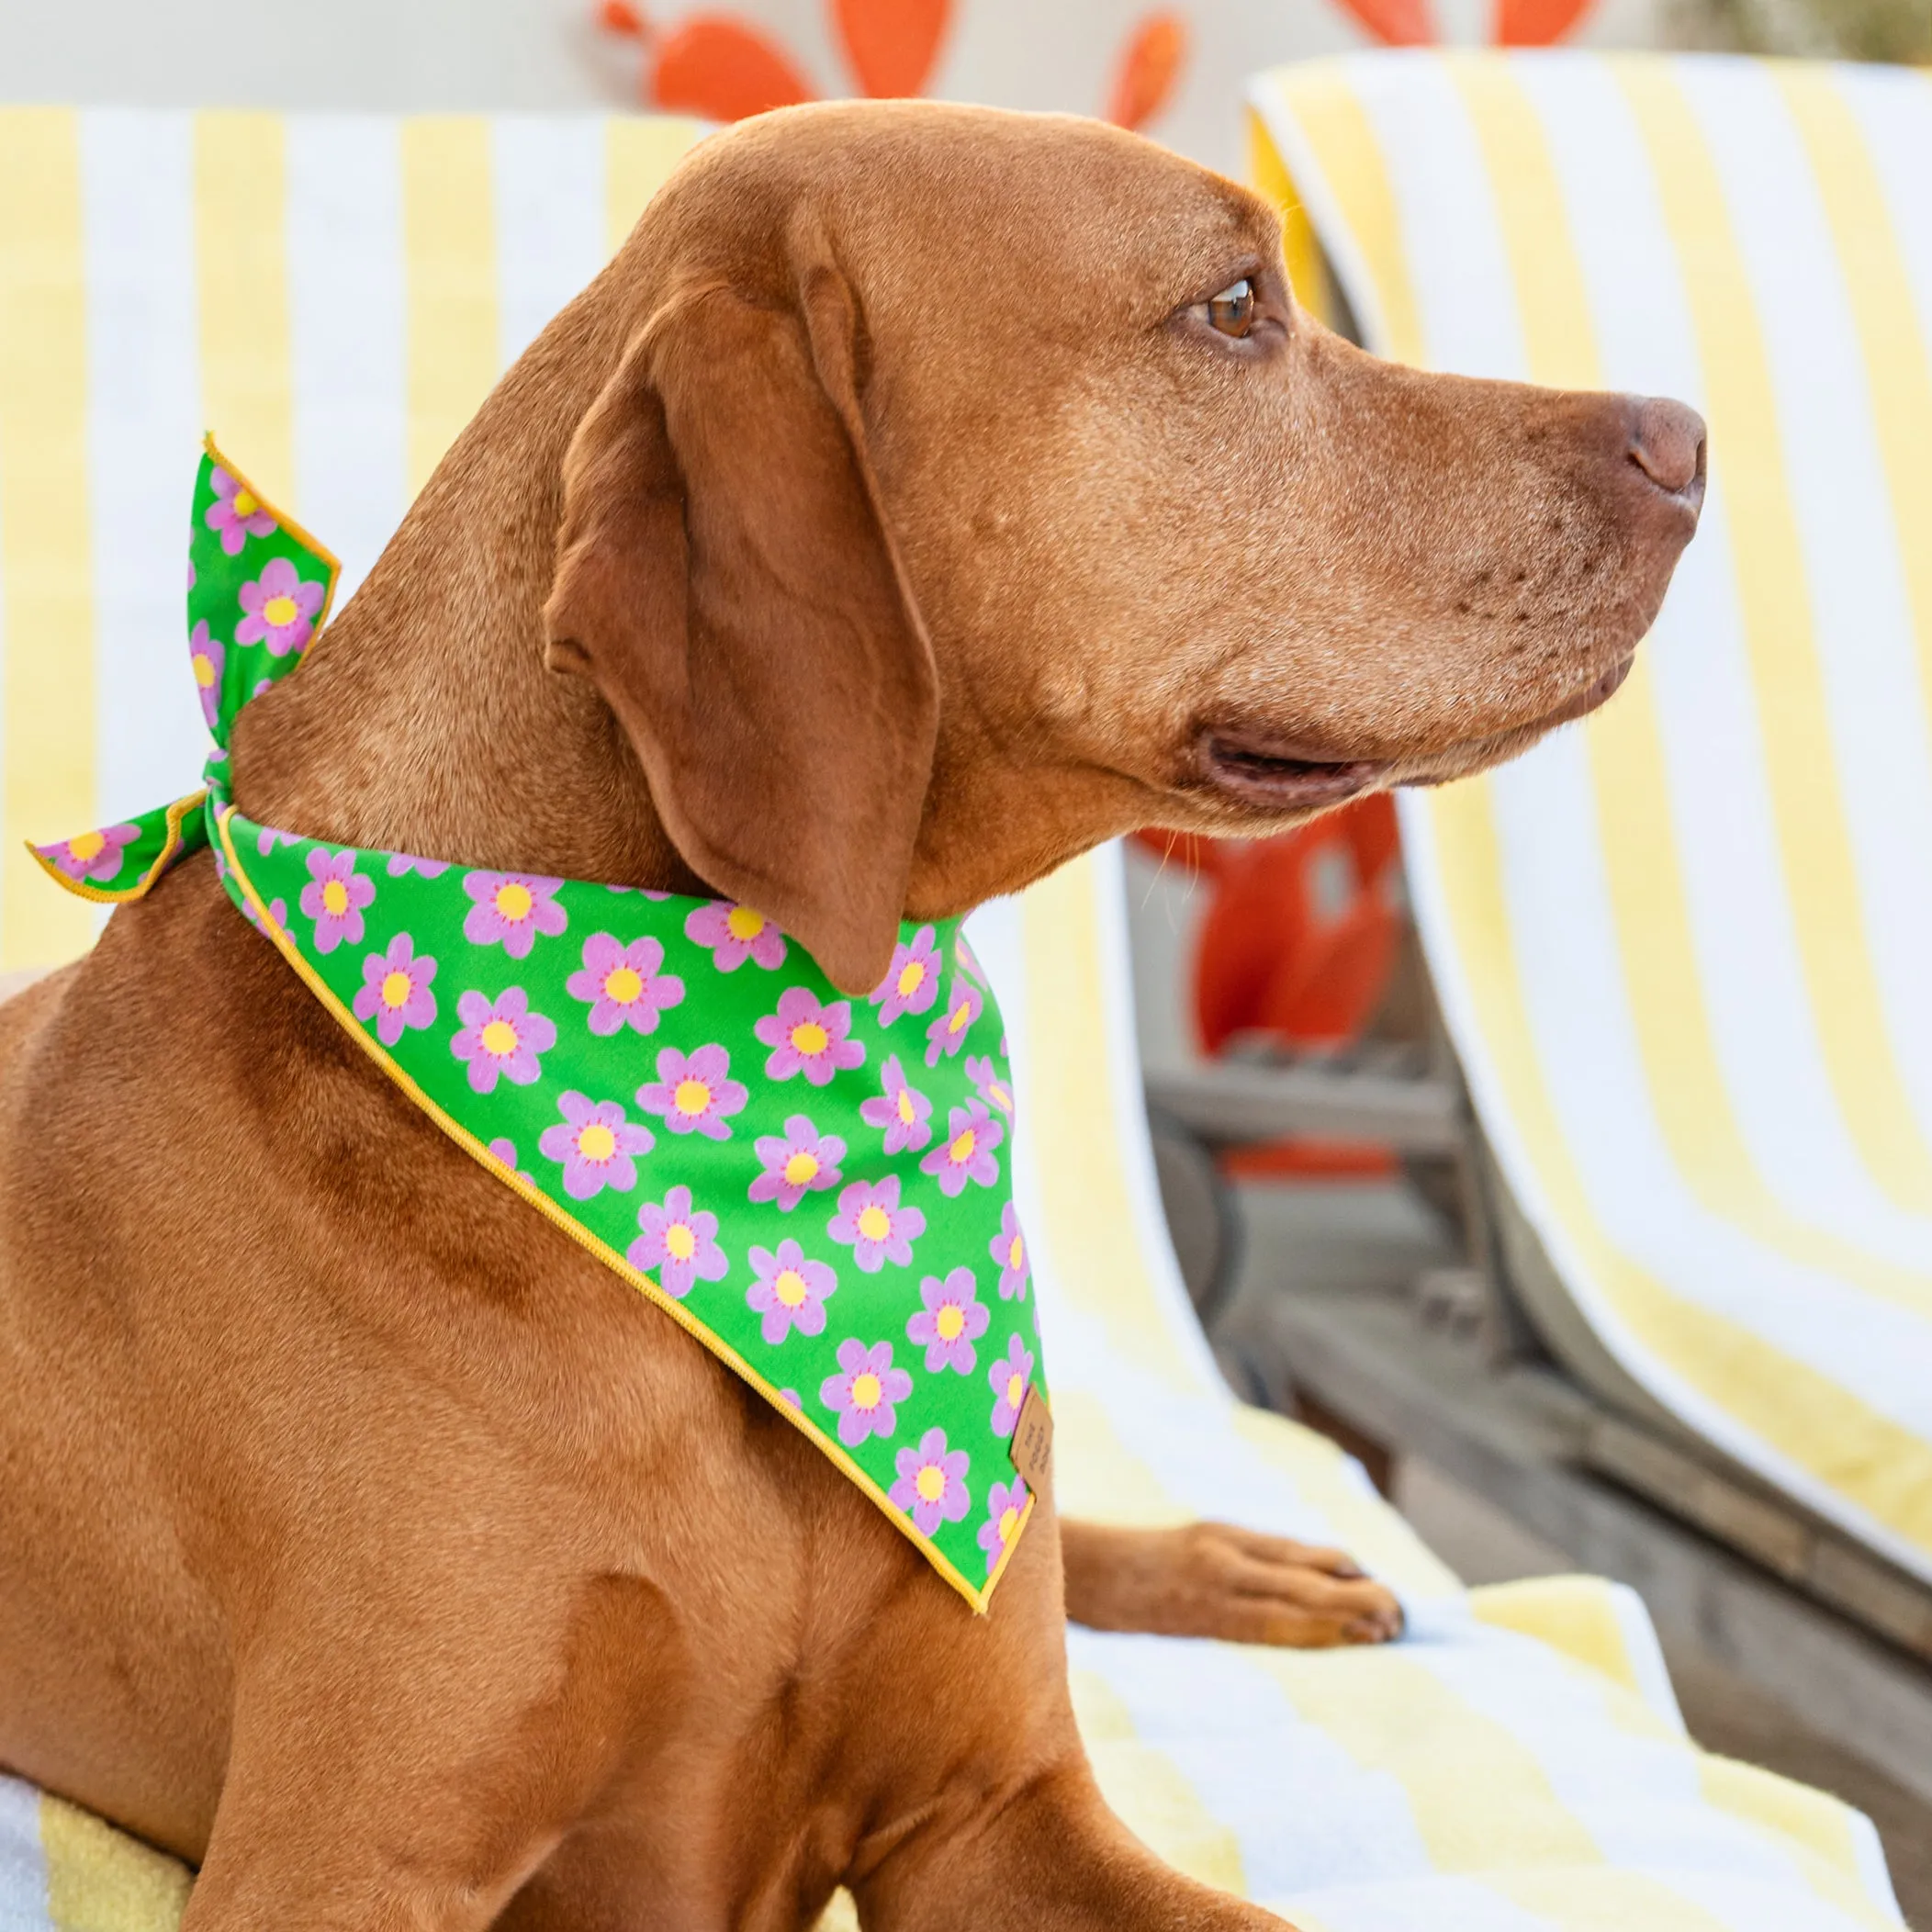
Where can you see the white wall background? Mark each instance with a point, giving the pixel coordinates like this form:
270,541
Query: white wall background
402,55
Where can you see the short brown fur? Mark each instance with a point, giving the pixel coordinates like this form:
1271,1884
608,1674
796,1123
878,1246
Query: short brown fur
911,532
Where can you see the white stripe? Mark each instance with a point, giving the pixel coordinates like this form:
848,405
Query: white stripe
1748,1903
1304,1813
1645,1655
1133,1147
547,174
143,438
1458,264
1639,1796
347,330
23,1861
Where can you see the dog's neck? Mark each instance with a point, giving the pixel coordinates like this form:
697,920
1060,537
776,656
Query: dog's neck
427,719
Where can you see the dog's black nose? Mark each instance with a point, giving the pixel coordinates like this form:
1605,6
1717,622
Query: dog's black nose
1667,442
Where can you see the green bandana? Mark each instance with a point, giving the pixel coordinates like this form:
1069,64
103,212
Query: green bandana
816,1187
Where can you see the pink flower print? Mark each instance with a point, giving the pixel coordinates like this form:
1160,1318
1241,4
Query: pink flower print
513,907
235,515
807,1038
681,1241
947,1032
402,862
505,1149
1009,1378
268,838
792,1397
733,934
878,1229
931,1488
394,991
1006,1508
866,1391
1008,1248
502,1037
901,1110
623,986
92,857
790,1292
335,898
985,1073
800,1161
595,1143
953,1319
280,608
966,1153
206,659
692,1092
912,982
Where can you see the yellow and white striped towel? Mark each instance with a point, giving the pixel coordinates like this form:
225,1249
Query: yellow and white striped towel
1686,950
1519,1764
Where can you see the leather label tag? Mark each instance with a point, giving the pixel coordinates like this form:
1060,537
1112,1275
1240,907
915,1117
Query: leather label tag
1032,1446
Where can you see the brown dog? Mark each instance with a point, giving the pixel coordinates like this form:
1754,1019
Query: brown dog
923,495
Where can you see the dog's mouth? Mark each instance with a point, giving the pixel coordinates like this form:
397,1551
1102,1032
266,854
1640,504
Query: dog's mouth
1279,778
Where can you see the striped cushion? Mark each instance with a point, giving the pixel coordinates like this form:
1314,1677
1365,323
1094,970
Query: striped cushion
1684,950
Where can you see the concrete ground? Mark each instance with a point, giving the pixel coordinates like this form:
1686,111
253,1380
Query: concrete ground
1376,1237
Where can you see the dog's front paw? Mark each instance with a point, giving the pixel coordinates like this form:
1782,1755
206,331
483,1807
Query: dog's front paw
1211,1580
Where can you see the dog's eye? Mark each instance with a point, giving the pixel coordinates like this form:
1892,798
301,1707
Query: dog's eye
1231,312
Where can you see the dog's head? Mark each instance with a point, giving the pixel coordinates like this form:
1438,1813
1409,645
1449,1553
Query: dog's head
972,489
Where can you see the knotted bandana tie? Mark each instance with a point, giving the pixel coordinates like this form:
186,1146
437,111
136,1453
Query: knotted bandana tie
816,1187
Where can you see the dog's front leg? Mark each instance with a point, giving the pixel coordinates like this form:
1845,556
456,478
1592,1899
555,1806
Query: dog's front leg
406,1765
1211,1580
1047,1856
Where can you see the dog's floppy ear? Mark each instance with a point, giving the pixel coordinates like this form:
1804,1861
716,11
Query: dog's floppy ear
727,579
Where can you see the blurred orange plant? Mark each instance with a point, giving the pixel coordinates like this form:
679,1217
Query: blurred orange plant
1515,23
724,67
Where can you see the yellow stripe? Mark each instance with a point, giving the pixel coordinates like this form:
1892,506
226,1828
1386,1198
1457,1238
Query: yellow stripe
242,280
1748,460
1635,829
1573,1614
47,700
1816,1826
1301,246
1091,1225
1339,130
1478,1797
639,153
100,1879
450,279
